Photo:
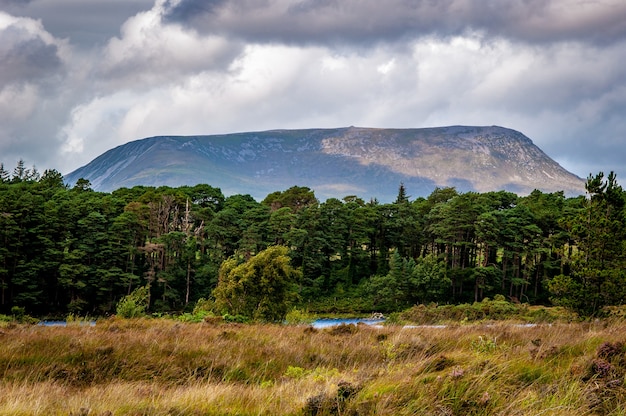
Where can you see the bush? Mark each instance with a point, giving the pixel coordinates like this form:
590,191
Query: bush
497,309
134,305
298,317
237,319
204,305
18,313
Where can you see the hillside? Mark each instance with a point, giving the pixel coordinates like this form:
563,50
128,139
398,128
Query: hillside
338,162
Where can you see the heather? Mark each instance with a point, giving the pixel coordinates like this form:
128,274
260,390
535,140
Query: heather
165,367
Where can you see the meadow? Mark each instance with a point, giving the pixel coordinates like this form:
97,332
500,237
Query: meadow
164,367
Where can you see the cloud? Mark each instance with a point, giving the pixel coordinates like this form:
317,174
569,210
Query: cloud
84,23
15,3
149,52
17,102
366,21
555,94
78,78
27,51
32,65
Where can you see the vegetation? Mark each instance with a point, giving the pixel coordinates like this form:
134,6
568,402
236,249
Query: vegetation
162,367
135,304
70,250
262,288
213,264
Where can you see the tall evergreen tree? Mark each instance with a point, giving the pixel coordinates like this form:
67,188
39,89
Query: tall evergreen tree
598,270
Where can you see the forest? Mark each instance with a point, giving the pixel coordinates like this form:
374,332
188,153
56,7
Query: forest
69,249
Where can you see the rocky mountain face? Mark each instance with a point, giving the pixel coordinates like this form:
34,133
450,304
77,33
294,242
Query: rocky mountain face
366,162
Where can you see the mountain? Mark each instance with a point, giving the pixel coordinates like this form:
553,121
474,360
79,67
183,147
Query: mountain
366,162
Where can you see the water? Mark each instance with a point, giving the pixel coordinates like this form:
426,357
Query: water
326,323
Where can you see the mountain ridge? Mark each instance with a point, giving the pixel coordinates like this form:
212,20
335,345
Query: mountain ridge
336,162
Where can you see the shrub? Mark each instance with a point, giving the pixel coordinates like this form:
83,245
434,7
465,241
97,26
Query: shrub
134,305
237,319
298,317
18,313
204,305
295,372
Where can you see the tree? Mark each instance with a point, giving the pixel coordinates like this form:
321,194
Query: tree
5,177
262,288
82,184
597,276
20,172
402,197
296,198
428,280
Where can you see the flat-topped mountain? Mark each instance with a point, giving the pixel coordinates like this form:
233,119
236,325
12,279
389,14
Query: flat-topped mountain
366,162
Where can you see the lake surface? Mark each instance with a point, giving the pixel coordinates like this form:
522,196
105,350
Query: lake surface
325,323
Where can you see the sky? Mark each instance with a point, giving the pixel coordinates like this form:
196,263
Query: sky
79,77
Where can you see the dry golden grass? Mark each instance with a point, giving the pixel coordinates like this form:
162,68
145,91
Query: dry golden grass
160,367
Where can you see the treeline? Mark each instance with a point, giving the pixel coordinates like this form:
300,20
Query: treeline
69,249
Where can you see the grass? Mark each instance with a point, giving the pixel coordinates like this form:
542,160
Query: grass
487,310
164,367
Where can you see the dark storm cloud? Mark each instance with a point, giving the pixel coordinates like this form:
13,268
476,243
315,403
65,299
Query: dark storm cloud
358,21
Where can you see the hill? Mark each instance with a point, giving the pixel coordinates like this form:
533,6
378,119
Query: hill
366,162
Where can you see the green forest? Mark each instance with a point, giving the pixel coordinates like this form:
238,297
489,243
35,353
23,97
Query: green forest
69,249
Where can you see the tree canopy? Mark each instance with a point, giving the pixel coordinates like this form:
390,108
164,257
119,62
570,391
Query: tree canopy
71,249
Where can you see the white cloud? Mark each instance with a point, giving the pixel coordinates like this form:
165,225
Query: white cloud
150,52
387,67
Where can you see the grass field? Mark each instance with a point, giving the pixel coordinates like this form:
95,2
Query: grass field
162,367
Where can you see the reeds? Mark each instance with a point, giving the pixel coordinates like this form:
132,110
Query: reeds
160,367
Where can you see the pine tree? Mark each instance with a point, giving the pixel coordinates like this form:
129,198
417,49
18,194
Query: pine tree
19,173
4,174
598,276
402,196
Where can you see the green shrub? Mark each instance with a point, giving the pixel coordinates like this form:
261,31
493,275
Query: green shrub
238,319
496,309
204,305
193,317
134,305
18,313
298,317
295,372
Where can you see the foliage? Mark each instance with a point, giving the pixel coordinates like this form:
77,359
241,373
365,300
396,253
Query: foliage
298,317
597,276
135,304
73,250
262,288
498,309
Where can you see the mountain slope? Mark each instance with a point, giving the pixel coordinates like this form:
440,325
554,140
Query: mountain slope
336,162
